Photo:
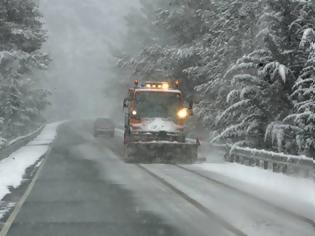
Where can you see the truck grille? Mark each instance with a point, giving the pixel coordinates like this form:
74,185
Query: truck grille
157,136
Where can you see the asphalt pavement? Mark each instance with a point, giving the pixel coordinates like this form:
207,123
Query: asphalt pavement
85,189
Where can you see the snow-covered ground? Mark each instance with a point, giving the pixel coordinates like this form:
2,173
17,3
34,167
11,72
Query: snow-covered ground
292,193
22,137
12,169
48,134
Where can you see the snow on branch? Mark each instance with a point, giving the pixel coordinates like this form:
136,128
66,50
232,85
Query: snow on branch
303,82
297,117
249,92
239,68
248,80
231,131
239,107
308,105
275,69
308,38
233,96
268,17
276,133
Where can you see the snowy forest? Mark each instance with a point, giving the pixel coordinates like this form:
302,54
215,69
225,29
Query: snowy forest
21,97
248,65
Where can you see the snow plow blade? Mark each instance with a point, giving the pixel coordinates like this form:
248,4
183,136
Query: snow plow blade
156,152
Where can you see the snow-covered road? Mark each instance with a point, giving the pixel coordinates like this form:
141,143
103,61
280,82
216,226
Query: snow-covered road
296,195
245,212
13,168
85,189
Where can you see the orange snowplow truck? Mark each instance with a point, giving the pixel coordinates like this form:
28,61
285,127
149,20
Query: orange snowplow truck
155,118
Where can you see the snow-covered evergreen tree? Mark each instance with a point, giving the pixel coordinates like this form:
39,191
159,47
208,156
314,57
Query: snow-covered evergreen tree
296,133
277,61
257,98
21,38
169,54
239,59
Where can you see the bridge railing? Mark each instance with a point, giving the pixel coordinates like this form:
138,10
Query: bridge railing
277,162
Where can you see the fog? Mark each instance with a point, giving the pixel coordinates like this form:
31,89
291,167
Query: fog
78,35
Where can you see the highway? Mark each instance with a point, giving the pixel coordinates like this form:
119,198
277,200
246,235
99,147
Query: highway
84,188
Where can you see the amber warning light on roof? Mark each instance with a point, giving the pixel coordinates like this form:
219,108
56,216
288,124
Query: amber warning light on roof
157,85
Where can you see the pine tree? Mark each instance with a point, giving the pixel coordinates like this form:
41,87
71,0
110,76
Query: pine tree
296,133
278,61
256,99
239,59
21,38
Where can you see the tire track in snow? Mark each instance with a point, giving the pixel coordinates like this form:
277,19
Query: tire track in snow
295,215
195,203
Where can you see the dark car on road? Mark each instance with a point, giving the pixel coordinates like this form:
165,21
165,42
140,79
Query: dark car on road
104,127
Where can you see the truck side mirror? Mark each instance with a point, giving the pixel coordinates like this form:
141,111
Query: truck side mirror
125,105
191,105
190,108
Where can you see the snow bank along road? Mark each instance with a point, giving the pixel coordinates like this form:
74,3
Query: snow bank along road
20,166
85,189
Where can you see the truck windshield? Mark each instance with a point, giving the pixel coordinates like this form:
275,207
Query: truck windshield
158,104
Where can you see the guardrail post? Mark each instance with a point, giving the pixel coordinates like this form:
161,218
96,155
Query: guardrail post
232,157
275,167
242,160
266,165
277,162
237,159
252,162
227,157
307,173
284,168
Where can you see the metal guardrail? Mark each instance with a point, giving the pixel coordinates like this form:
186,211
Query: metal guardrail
18,143
277,162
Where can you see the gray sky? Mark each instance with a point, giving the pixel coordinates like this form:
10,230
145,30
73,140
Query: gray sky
77,34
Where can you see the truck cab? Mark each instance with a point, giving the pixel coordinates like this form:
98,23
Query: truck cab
155,112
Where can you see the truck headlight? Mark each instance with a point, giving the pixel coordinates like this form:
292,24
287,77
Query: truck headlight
182,114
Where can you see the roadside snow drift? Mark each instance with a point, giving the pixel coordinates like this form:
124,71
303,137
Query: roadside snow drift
12,169
292,193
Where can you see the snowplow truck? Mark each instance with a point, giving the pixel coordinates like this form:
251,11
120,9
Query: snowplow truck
155,118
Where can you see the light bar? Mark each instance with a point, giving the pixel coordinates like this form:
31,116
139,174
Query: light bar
165,86
157,85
